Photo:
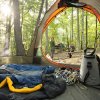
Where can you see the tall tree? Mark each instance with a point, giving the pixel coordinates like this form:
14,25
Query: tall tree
86,29
32,45
6,51
78,30
82,36
72,24
70,27
96,33
20,51
22,14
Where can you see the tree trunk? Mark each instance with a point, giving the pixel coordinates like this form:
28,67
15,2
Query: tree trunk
67,42
22,15
96,33
32,46
6,51
20,51
78,30
82,36
86,29
72,24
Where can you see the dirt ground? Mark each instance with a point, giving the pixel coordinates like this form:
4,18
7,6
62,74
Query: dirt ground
62,57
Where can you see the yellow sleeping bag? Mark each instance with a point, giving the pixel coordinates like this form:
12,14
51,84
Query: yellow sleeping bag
8,81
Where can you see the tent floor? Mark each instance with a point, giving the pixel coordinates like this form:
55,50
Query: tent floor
75,92
80,92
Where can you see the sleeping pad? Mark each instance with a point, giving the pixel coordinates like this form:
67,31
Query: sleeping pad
26,77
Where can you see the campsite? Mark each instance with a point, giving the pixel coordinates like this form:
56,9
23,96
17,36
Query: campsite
49,49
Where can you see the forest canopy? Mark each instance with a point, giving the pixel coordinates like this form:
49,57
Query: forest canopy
20,19
75,27
18,22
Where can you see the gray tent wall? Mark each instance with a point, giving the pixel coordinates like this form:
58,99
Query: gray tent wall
94,3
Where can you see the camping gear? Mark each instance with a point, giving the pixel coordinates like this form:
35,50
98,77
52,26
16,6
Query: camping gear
71,3
8,81
89,70
52,87
27,78
69,75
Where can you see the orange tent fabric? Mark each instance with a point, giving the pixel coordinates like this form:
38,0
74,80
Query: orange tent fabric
54,14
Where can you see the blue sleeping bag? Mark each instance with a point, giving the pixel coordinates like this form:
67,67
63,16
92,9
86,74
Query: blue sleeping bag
25,75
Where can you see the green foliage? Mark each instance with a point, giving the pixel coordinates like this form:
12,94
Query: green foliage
61,28
29,10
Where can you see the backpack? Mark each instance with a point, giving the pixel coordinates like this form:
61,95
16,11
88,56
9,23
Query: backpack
90,68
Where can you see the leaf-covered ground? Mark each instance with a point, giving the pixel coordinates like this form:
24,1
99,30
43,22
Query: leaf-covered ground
62,57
